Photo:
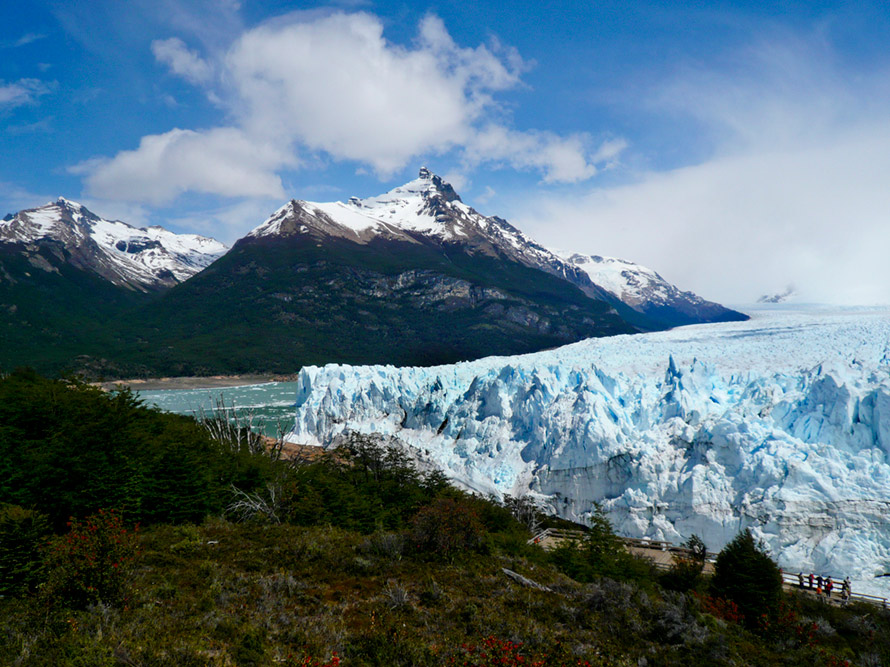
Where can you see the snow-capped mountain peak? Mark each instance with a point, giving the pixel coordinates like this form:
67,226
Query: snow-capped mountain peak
632,283
645,290
424,209
428,210
138,258
427,206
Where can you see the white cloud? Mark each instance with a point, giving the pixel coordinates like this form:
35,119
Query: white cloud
795,191
220,161
187,64
337,86
330,84
23,91
737,227
229,222
487,195
561,159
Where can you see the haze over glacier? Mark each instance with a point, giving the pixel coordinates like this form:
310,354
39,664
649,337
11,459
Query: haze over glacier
781,424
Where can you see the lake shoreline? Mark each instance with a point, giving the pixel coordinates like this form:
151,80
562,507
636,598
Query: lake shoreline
194,382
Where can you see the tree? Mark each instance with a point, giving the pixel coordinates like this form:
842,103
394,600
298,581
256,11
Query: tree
745,574
447,528
600,553
22,532
686,569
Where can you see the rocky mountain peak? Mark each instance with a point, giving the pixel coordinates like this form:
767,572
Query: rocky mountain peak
427,210
136,258
438,185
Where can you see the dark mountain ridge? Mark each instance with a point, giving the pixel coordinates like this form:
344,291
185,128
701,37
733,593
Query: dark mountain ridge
411,277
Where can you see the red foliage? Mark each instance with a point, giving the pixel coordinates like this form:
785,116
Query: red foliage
833,660
93,561
719,608
494,652
309,661
447,527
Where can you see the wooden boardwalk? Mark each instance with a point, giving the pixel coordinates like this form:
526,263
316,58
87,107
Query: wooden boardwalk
662,554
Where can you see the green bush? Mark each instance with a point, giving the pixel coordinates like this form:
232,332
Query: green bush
22,533
600,553
745,574
686,570
69,449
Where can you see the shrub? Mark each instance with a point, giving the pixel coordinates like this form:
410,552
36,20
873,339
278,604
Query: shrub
446,528
600,553
69,449
22,532
726,610
745,574
685,572
386,545
250,649
309,661
92,563
493,651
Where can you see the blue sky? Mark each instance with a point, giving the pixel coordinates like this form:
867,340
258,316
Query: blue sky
735,147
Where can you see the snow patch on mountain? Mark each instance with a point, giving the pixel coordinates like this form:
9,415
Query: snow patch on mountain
780,424
126,255
630,282
646,291
427,206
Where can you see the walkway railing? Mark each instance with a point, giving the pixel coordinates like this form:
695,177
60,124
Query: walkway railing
551,537
791,581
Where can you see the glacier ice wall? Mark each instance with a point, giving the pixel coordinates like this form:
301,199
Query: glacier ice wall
780,424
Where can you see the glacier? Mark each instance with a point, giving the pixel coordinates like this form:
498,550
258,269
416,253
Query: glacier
780,424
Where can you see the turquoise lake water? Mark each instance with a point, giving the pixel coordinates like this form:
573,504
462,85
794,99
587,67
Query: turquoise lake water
268,406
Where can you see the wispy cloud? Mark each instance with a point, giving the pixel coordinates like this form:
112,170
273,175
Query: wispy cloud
182,61
42,125
23,91
15,198
27,38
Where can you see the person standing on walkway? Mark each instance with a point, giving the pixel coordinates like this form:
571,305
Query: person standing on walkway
811,579
819,580
800,579
829,584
